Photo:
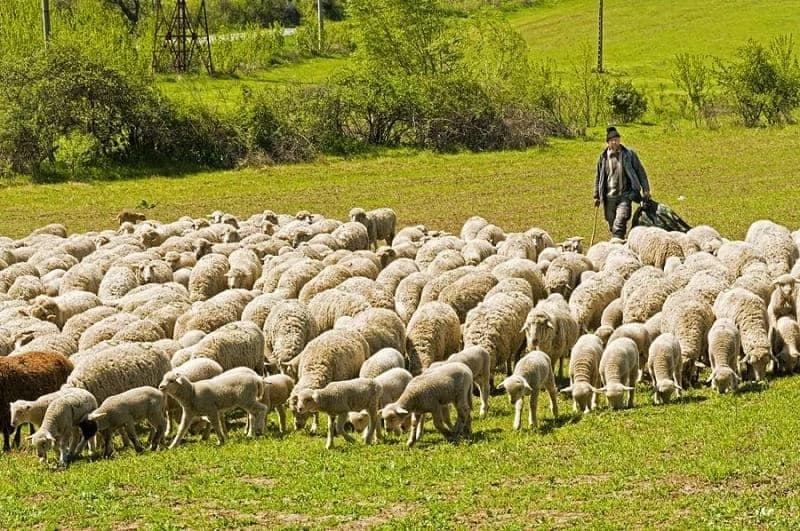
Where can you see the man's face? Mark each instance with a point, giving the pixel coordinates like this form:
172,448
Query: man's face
614,144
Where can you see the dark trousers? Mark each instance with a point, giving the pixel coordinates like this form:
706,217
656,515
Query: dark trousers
617,211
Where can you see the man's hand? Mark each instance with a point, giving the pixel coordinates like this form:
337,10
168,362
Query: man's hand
596,202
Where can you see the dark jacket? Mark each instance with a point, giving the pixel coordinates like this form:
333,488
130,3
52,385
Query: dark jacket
634,172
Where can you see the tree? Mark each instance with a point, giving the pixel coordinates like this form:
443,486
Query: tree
131,9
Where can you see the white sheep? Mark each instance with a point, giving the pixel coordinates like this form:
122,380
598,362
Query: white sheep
785,341
277,389
337,399
782,301
211,398
689,318
117,281
479,362
724,344
612,315
60,425
532,373
219,310
431,392
393,382
380,223
244,269
287,330
471,228
639,334
775,244
564,273
330,277
58,310
619,370
551,328
331,304
749,312
237,344
664,366
584,372
590,298
208,277
381,328
467,292
352,236
433,333
31,411
123,411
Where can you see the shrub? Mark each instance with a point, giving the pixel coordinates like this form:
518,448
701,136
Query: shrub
627,103
692,75
763,83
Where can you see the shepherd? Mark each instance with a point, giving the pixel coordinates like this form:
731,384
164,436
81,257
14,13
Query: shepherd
619,180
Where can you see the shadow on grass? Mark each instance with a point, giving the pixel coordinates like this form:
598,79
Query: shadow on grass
162,168
548,425
689,399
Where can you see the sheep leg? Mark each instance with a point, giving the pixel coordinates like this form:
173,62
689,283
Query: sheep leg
281,418
259,419
374,427
412,435
6,438
438,422
314,424
341,419
182,429
18,435
331,426
130,429
108,448
534,404
553,392
517,414
632,383
157,435
419,425
483,390
216,423
63,452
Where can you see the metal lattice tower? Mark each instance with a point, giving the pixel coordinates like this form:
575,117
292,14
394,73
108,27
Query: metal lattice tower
178,41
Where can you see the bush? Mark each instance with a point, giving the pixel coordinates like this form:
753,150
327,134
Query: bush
692,75
763,83
627,103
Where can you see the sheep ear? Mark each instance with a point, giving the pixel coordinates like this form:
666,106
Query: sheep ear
567,390
502,385
711,376
526,385
49,437
315,396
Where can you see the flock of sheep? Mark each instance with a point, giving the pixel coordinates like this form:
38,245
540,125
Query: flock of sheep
175,324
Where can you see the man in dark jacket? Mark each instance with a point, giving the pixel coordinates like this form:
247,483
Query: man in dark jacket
619,180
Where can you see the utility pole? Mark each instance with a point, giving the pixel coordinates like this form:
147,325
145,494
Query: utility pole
46,21
319,26
600,39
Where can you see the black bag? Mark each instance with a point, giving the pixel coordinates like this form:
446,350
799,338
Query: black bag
653,214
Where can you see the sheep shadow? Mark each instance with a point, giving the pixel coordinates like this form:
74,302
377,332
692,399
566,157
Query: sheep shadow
549,425
751,387
689,399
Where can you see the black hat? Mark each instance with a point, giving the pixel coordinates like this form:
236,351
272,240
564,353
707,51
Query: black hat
611,132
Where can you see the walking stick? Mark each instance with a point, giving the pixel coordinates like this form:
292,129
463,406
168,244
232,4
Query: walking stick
594,226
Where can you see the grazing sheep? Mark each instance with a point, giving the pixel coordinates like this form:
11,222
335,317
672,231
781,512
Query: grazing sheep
653,326
361,266
408,293
27,377
433,247
775,244
337,399
584,372
550,327
258,309
219,310
564,273
447,260
298,275
123,411
471,228
724,344
590,298
333,356
433,333
82,277
237,344
639,334
664,366
400,249
497,325
287,330
352,236
785,342
782,301
105,329
532,373
476,251
328,278
58,310
208,277
117,281
381,328
277,389
749,312
155,272
612,315
431,392
619,370
329,305
438,283
392,382
654,245
26,287
239,388
376,296
467,292
60,426
479,362
644,293
118,368
526,269
689,319
392,274
380,362
707,238
10,274
194,370
30,411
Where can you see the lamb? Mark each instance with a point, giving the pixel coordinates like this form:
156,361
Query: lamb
782,301
664,365
211,398
237,344
619,370
381,328
750,315
497,325
466,292
60,425
724,344
639,334
479,362
194,370
122,411
337,399
329,305
392,382
31,411
431,392
277,389
118,368
432,334
785,342
584,372
564,273
287,330
532,373
208,277
58,310
333,356
380,362
28,377
551,328
590,298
